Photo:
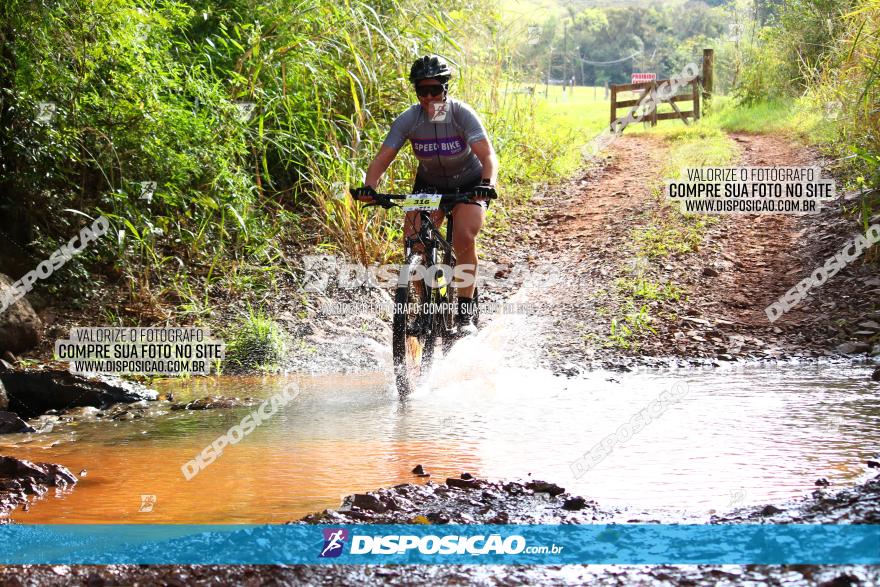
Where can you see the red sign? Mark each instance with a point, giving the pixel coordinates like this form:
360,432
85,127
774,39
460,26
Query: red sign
643,77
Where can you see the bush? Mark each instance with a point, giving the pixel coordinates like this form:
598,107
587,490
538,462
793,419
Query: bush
256,342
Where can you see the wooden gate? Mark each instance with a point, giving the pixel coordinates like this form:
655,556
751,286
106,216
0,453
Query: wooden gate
689,92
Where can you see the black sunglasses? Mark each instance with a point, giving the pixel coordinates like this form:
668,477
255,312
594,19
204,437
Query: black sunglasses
432,90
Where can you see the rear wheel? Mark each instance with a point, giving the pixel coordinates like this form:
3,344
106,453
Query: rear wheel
412,335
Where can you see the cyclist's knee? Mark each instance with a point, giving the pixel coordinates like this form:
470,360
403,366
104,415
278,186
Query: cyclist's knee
464,239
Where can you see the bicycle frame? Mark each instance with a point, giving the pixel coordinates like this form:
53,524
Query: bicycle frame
431,241
430,238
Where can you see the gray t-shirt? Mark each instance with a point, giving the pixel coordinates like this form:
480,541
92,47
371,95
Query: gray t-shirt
443,148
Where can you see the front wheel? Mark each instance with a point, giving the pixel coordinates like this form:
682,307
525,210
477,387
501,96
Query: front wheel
412,335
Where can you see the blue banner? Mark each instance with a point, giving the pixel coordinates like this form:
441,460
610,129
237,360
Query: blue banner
441,544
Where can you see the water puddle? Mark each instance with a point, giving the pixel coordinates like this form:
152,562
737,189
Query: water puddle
738,437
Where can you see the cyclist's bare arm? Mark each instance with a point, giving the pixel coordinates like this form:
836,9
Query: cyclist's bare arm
486,154
379,165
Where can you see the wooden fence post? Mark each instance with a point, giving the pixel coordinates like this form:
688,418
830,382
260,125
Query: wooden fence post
652,92
708,79
695,89
613,103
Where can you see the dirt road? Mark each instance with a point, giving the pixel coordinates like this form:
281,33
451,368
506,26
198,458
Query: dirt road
608,231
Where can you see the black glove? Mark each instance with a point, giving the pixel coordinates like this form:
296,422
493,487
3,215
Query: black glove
363,193
485,190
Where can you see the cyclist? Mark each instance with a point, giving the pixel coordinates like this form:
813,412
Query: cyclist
454,153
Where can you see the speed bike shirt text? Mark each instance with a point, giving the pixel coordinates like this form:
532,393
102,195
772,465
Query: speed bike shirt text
443,149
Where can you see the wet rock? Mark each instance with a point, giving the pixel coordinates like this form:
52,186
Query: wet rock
569,370
461,483
845,580
500,518
822,482
393,504
852,348
45,473
213,402
33,392
10,424
875,376
20,478
82,413
466,476
20,327
438,518
873,465
365,501
4,401
769,510
513,488
419,471
544,487
574,504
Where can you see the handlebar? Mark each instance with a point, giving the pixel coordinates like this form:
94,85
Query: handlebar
386,200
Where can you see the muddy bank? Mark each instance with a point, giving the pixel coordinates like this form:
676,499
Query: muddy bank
468,500
465,500
623,576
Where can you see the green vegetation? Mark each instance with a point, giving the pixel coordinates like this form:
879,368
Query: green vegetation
646,289
255,342
251,119
821,58
760,117
598,45
625,333
569,119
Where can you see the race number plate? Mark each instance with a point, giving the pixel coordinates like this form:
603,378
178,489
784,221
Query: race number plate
422,202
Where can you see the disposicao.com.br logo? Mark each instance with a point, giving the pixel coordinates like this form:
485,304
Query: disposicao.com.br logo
334,542
429,544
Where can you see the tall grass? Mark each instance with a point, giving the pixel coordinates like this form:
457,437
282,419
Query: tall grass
822,62
150,91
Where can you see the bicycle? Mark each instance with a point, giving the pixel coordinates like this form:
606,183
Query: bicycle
424,309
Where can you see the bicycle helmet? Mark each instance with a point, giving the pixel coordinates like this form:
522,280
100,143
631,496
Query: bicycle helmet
430,67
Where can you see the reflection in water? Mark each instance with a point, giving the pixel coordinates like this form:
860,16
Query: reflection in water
740,437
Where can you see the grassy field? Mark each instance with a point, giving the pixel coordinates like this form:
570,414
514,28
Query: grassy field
568,119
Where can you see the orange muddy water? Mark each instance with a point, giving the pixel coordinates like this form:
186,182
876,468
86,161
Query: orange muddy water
739,436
